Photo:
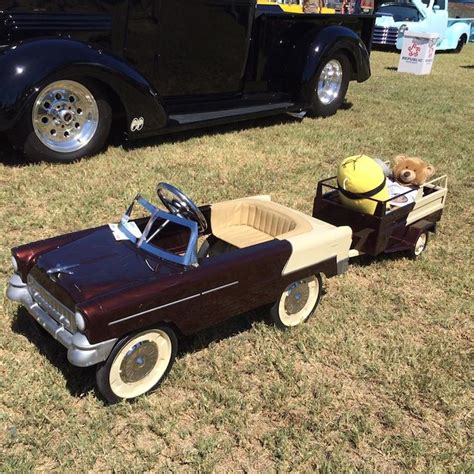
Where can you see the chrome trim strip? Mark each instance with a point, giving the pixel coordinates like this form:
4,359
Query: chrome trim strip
174,302
153,309
220,288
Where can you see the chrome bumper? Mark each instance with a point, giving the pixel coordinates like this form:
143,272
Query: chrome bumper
80,352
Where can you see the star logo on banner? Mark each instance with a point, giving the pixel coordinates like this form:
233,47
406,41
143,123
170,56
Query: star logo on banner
413,50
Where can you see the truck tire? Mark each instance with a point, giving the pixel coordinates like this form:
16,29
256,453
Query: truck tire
297,303
330,85
137,364
66,121
461,42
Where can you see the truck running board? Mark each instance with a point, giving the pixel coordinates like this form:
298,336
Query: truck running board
225,115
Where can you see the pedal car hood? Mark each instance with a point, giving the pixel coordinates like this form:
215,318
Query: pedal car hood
97,264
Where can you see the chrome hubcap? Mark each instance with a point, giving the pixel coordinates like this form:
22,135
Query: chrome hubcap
140,364
330,81
298,301
65,116
139,361
297,296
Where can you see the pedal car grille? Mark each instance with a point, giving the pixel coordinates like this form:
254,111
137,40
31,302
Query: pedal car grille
385,35
51,305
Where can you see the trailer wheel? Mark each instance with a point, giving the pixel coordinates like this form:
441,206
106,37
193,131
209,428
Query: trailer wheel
462,41
67,120
330,85
420,245
297,303
137,364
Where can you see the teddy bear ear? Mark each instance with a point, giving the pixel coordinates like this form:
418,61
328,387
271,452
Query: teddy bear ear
398,158
431,171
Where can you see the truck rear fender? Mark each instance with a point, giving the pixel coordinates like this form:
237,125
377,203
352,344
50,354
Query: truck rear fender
27,67
321,44
456,30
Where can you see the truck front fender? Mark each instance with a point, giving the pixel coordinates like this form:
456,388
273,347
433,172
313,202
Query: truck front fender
27,67
322,44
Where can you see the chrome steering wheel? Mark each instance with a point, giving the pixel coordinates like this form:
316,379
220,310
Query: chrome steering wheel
180,205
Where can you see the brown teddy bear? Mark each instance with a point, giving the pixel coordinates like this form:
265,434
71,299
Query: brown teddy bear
408,173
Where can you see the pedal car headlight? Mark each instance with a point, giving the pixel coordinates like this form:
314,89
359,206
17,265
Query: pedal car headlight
402,29
80,321
14,264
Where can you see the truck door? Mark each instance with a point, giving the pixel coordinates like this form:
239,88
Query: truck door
202,46
439,18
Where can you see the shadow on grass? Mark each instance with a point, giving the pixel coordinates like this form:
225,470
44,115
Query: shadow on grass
81,381
468,66
78,381
224,330
392,68
10,157
367,260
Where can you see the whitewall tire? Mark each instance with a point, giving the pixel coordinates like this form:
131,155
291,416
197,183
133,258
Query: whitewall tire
297,303
137,364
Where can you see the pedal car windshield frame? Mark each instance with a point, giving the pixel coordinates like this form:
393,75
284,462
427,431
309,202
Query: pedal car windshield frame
142,241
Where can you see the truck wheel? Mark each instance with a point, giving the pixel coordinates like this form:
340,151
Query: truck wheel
462,41
420,245
330,85
297,303
137,364
68,120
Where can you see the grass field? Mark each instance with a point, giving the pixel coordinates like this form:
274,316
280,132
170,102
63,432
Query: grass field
379,379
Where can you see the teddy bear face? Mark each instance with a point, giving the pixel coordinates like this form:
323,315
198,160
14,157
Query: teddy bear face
412,171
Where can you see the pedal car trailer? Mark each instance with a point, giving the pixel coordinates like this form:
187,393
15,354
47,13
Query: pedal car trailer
118,296
390,229
67,69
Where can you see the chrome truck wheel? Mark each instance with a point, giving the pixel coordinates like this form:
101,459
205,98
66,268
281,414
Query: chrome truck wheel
330,82
330,85
68,120
297,303
65,116
137,364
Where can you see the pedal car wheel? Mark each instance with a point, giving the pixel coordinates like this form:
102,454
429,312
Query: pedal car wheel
420,245
297,303
137,364
67,120
330,85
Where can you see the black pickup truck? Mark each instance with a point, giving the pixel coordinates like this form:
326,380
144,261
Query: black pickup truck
68,68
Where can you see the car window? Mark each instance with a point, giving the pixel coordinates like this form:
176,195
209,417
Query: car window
399,12
440,3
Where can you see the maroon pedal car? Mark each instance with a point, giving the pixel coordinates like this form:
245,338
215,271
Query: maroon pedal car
118,296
